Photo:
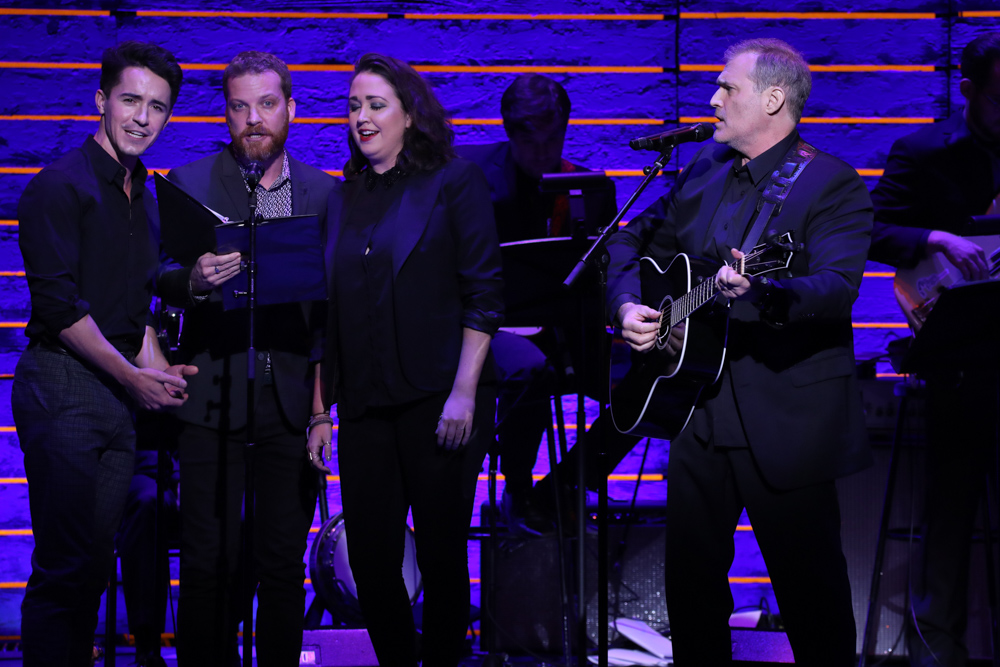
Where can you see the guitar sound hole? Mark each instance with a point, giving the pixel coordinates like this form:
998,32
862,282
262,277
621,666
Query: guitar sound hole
664,331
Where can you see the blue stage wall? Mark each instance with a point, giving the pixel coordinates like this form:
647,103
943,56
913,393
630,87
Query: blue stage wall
881,68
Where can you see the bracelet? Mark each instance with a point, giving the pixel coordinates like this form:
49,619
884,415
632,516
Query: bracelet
315,420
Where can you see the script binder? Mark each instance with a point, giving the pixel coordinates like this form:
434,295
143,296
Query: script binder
290,265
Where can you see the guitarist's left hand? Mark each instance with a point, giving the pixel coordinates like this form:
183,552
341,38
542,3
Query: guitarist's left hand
732,284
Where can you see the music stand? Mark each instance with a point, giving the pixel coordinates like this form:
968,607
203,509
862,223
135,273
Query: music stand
534,297
577,184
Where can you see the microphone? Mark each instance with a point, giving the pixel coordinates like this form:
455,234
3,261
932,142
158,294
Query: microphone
670,138
254,173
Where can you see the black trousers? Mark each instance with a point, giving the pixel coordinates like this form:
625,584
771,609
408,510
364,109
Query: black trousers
78,437
390,462
211,488
962,414
798,532
525,385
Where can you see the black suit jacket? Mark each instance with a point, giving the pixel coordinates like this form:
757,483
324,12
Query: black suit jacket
215,340
935,178
792,370
446,266
513,224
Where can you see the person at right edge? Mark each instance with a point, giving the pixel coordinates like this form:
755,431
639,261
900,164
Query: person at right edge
416,294
785,418
934,180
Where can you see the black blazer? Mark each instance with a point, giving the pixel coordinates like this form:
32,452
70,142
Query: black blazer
935,178
498,165
446,262
215,340
794,379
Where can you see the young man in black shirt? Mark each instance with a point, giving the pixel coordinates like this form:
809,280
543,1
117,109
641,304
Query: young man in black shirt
93,359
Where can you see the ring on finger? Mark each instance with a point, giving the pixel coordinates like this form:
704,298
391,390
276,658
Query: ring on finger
216,269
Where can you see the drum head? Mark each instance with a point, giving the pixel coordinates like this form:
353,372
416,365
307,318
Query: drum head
330,566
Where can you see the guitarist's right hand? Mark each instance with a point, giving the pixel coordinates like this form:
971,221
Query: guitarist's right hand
966,255
640,325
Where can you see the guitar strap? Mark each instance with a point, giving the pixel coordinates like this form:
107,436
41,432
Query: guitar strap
777,189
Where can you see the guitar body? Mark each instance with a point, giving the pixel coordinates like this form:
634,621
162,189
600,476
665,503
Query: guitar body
917,289
653,393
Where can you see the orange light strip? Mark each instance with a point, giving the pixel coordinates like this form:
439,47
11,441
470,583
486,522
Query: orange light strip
11,274
744,528
8,223
339,172
749,580
871,68
496,69
847,120
8,429
13,480
335,120
15,532
540,69
52,12
891,375
879,274
535,17
807,15
868,120
26,65
259,15
825,68
979,15
880,325
12,325
13,584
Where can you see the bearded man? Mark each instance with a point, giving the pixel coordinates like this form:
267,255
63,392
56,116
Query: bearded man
259,107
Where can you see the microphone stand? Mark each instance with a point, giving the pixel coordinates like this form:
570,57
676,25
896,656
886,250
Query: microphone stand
597,258
254,173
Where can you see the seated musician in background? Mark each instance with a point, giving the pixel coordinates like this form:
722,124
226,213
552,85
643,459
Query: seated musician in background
785,418
934,180
535,111
143,583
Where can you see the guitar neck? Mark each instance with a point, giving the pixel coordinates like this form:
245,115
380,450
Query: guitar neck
701,294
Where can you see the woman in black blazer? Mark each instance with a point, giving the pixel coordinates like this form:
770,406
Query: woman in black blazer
413,266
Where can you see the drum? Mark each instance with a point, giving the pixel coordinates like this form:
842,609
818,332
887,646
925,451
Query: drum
330,567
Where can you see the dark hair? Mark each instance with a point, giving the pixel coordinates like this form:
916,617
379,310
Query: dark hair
427,143
534,101
257,62
155,58
778,64
978,57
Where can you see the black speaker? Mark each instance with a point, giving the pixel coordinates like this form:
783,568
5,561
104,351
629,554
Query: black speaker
861,498
528,591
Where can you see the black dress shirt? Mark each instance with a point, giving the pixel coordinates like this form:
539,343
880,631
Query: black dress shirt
371,374
87,247
732,220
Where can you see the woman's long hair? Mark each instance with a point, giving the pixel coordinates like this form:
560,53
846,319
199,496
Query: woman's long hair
427,143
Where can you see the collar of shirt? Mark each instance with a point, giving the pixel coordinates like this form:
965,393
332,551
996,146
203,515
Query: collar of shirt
110,169
764,164
286,175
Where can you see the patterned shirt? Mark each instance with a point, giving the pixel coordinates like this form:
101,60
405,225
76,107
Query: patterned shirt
275,201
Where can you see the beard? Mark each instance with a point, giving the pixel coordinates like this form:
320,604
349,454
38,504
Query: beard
259,151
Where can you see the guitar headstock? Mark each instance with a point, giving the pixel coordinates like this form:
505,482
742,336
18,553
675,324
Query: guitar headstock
774,254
